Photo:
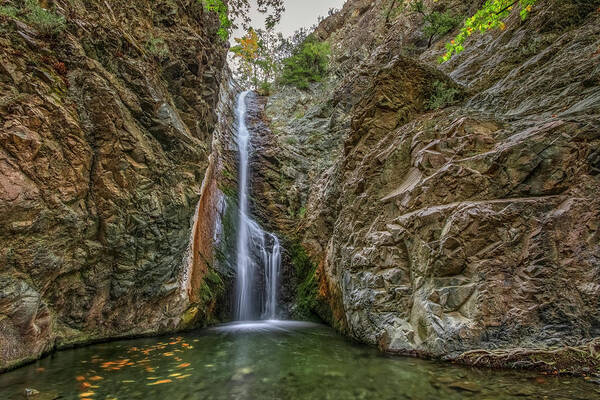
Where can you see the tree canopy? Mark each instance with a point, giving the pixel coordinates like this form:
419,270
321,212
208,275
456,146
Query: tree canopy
233,12
491,16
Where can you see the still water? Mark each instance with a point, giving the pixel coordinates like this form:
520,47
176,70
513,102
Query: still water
269,360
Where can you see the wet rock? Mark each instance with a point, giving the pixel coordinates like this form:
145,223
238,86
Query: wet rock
242,374
29,392
465,386
102,157
438,232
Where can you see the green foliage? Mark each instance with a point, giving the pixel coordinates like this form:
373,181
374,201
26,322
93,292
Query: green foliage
231,11
9,11
219,7
307,290
302,212
45,21
443,96
491,16
308,64
436,23
264,89
157,47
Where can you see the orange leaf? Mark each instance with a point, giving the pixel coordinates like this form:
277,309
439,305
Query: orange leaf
86,394
96,378
160,382
183,365
80,378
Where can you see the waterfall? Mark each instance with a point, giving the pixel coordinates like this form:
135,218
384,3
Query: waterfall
257,251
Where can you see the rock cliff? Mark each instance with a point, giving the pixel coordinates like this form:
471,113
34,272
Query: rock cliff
446,228
107,113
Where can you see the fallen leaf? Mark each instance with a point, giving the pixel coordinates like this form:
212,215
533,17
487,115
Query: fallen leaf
96,378
183,365
41,369
160,382
177,374
86,394
184,376
80,378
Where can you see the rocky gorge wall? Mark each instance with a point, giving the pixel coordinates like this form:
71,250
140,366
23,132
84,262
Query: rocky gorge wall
467,230
107,114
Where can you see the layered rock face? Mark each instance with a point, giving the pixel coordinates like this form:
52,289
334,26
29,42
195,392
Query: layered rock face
106,130
439,229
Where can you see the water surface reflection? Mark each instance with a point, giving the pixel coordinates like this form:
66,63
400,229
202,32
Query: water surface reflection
269,360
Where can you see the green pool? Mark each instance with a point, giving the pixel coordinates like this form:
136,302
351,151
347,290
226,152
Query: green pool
269,360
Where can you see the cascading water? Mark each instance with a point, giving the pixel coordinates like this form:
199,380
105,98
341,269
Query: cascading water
257,251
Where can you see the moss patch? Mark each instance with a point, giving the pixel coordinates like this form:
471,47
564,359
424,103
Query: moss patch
307,289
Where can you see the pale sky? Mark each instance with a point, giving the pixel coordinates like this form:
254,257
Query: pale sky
298,13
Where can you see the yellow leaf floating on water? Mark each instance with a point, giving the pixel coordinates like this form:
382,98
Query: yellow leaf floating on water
152,378
160,382
168,354
177,374
184,376
96,378
127,381
87,394
183,365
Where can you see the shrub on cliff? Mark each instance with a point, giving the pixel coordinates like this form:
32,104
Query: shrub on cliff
492,15
443,96
158,48
44,20
308,64
436,23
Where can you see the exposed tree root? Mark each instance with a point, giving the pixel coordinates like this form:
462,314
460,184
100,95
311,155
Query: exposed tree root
578,360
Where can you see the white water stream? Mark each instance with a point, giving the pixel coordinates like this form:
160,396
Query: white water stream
258,252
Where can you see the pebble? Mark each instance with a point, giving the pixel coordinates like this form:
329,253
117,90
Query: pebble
29,392
467,386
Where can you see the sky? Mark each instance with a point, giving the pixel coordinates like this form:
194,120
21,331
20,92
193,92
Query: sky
298,13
